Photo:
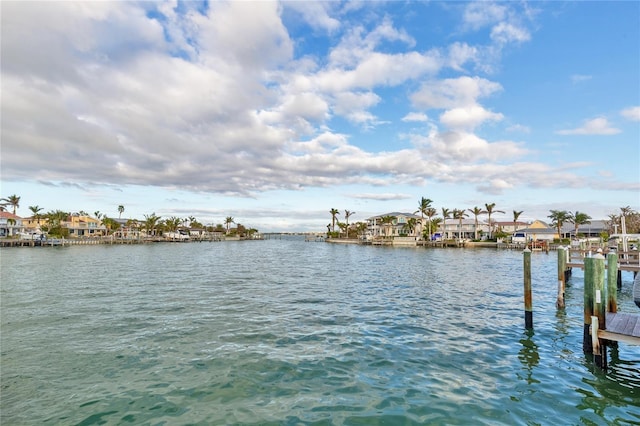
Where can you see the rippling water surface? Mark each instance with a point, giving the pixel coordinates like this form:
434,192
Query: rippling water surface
289,332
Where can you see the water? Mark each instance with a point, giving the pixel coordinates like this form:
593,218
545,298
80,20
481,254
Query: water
288,332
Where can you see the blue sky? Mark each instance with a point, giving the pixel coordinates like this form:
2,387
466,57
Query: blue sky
275,113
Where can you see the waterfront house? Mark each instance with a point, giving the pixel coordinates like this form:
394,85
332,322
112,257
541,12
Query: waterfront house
537,231
462,230
10,224
508,226
399,226
83,226
593,229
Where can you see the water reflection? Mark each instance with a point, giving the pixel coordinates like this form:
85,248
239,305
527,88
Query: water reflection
528,355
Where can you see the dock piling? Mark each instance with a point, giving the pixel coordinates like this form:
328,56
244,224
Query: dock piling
612,285
589,267
562,267
599,308
528,305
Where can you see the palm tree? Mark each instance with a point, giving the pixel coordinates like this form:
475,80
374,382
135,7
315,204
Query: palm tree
13,201
446,214
361,228
54,221
150,222
425,203
578,218
459,214
98,215
334,213
410,226
347,214
490,211
228,221
516,215
558,218
120,211
36,212
430,213
476,211
172,224
344,227
387,221
434,224
110,224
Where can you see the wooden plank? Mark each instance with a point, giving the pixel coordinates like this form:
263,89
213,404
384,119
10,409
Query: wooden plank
623,323
605,334
613,321
631,324
621,267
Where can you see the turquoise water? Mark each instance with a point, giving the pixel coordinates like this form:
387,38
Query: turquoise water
290,332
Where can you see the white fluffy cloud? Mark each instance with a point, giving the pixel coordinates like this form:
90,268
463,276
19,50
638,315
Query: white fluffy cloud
632,113
595,126
224,100
453,92
468,117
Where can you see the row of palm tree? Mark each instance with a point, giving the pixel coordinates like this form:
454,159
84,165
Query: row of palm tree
151,222
426,210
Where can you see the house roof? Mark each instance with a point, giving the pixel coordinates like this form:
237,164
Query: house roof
592,226
394,214
538,230
9,215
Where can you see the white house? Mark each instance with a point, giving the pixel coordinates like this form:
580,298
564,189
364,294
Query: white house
401,225
10,224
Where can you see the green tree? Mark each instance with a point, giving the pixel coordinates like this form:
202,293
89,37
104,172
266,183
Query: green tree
558,218
361,228
410,226
423,206
490,208
446,214
120,211
476,211
343,227
150,223
110,224
430,212
387,222
54,223
516,215
13,201
578,218
334,213
228,221
347,215
172,224
35,210
459,214
433,227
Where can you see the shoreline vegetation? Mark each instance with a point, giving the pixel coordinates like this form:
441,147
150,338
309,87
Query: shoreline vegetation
426,226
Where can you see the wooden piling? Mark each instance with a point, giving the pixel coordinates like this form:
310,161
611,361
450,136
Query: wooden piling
612,284
528,300
589,267
599,310
562,267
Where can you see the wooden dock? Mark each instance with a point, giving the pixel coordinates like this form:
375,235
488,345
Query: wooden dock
621,327
627,260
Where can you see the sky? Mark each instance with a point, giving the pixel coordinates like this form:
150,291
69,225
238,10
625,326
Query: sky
275,113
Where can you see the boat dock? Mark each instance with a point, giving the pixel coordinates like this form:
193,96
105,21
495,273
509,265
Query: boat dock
627,260
621,327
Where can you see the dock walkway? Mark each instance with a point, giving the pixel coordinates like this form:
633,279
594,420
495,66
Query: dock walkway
622,327
627,260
